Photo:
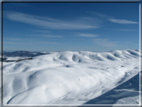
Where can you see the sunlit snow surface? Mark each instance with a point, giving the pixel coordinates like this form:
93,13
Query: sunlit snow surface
70,77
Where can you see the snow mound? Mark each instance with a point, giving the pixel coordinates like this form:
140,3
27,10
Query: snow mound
47,78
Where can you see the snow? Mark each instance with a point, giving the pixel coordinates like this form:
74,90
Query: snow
68,77
126,93
15,58
129,100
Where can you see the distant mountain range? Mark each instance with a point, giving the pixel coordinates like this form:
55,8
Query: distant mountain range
23,54
27,53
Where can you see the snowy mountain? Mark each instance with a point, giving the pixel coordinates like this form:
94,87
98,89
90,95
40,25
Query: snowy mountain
69,77
16,56
22,54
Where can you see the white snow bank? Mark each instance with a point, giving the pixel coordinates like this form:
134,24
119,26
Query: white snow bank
47,78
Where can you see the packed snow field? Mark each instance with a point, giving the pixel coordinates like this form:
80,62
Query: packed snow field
70,77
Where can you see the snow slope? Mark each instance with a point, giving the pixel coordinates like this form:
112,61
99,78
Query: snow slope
126,93
67,77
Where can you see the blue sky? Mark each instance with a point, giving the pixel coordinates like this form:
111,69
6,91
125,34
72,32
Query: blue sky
70,26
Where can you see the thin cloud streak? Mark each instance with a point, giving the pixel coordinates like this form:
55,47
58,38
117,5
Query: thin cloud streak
28,42
13,39
121,21
125,29
104,42
111,19
48,22
87,35
51,36
42,31
100,15
47,35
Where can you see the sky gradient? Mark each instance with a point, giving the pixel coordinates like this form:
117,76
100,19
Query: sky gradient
70,26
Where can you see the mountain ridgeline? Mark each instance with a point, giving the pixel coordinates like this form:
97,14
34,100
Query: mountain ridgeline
23,54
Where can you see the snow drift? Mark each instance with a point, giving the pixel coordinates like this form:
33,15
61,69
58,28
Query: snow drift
61,77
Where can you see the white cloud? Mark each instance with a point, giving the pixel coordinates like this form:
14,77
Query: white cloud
126,29
29,42
12,39
11,42
111,19
42,31
48,22
121,21
46,42
50,36
47,35
98,14
104,42
87,35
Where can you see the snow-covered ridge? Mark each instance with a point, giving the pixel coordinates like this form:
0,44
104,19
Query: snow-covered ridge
59,76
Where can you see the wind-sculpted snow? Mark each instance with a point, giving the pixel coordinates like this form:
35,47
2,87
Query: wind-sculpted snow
126,93
60,77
